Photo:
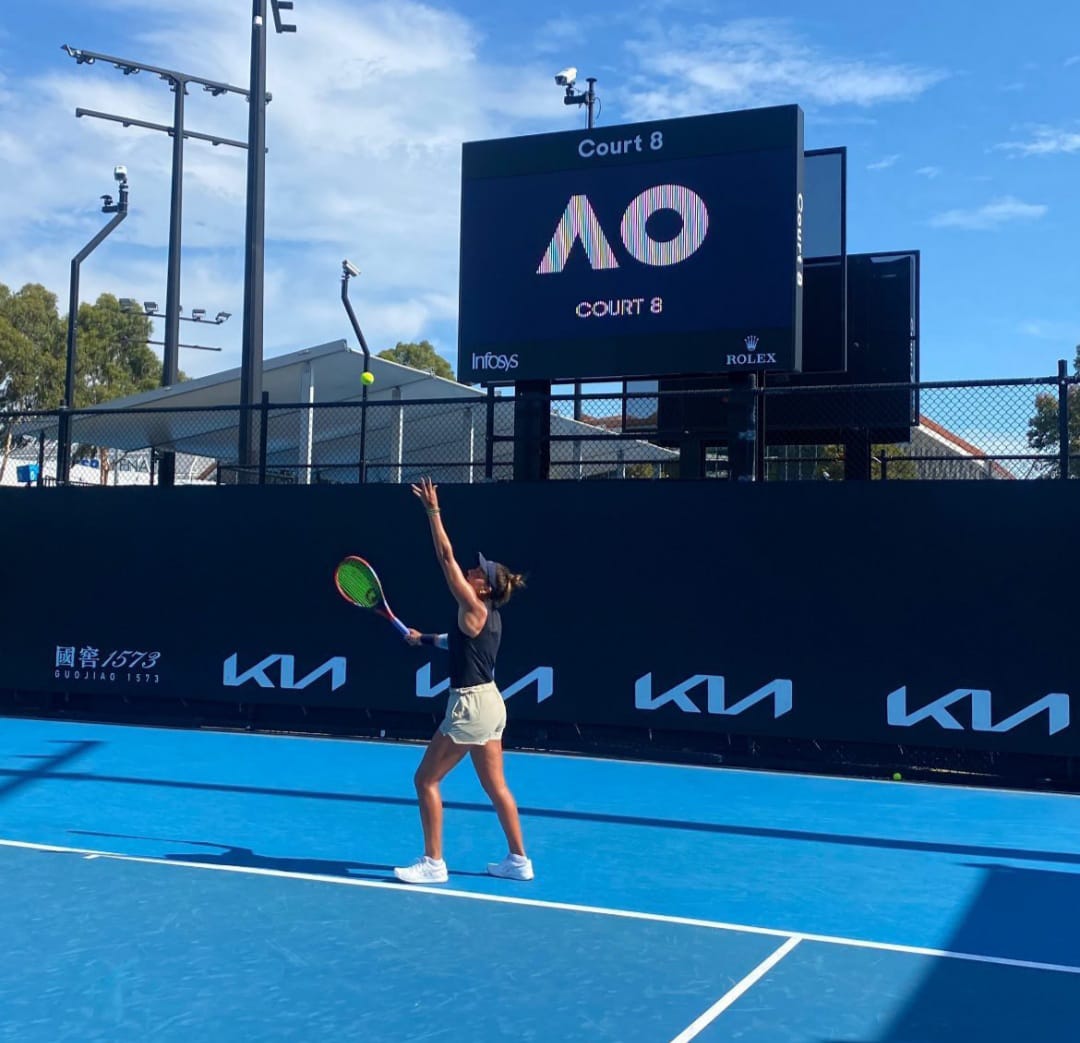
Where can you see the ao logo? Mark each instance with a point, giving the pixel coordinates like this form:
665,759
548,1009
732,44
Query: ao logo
579,222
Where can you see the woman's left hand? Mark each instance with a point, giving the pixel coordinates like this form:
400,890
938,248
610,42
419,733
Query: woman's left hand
426,490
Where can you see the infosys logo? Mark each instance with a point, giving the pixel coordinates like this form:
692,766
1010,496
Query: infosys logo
489,360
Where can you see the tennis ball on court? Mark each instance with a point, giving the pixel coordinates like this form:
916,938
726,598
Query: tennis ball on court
367,377
896,776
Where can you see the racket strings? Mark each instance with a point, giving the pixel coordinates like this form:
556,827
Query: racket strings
358,586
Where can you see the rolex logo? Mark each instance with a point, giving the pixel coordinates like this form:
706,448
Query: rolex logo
751,342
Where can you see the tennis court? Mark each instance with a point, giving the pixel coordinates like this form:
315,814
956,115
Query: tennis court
176,885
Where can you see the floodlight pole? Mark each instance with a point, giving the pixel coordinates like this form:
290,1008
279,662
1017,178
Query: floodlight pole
178,83
348,270
251,356
120,210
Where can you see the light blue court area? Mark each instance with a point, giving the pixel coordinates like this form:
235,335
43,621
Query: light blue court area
168,885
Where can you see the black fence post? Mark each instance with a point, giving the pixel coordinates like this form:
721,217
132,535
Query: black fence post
63,440
41,458
742,428
489,435
857,452
532,430
363,430
264,425
1063,419
760,449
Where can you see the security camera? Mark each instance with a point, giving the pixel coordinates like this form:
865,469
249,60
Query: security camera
120,173
566,78
350,268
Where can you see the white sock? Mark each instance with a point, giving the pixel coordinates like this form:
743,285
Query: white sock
433,861
518,860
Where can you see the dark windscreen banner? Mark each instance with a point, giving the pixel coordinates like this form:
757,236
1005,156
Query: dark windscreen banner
895,612
666,247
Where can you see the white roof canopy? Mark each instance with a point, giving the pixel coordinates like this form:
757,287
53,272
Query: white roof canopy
415,420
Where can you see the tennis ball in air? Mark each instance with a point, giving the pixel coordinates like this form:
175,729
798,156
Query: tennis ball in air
896,776
367,377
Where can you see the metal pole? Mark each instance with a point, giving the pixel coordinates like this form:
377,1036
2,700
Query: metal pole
590,102
346,271
264,433
120,209
1063,419
760,449
252,350
170,368
489,435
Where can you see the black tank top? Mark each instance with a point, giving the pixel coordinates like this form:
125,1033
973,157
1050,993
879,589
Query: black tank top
472,659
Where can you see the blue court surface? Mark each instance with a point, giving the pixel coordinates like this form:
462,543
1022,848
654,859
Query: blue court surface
179,885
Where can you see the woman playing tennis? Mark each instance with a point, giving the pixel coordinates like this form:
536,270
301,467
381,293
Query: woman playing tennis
475,712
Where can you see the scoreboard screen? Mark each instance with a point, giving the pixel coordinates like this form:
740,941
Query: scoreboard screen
668,247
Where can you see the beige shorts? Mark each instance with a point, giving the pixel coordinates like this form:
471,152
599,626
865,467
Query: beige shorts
474,715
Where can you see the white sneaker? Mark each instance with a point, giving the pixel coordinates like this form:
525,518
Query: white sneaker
513,867
423,871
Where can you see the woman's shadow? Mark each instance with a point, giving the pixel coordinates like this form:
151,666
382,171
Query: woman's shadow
244,857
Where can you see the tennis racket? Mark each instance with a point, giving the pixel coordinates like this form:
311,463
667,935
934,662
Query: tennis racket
357,583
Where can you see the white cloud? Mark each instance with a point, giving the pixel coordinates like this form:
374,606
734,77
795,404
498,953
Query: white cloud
758,62
929,172
990,216
1045,141
370,106
1050,329
884,163
563,35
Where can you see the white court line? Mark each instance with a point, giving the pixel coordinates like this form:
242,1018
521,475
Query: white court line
725,1001
567,907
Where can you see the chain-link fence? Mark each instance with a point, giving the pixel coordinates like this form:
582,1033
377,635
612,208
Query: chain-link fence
1002,429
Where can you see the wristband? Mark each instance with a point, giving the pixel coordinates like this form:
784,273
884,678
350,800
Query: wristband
434,640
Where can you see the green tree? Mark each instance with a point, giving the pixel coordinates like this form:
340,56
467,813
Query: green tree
1042,432
113,358
31,349
31,353
420,355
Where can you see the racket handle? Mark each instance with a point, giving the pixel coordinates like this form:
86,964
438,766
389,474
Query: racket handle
401,628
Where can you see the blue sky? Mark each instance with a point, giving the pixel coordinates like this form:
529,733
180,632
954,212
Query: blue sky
962,123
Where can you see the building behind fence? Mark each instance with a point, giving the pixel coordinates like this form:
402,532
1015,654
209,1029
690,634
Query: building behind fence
973,430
